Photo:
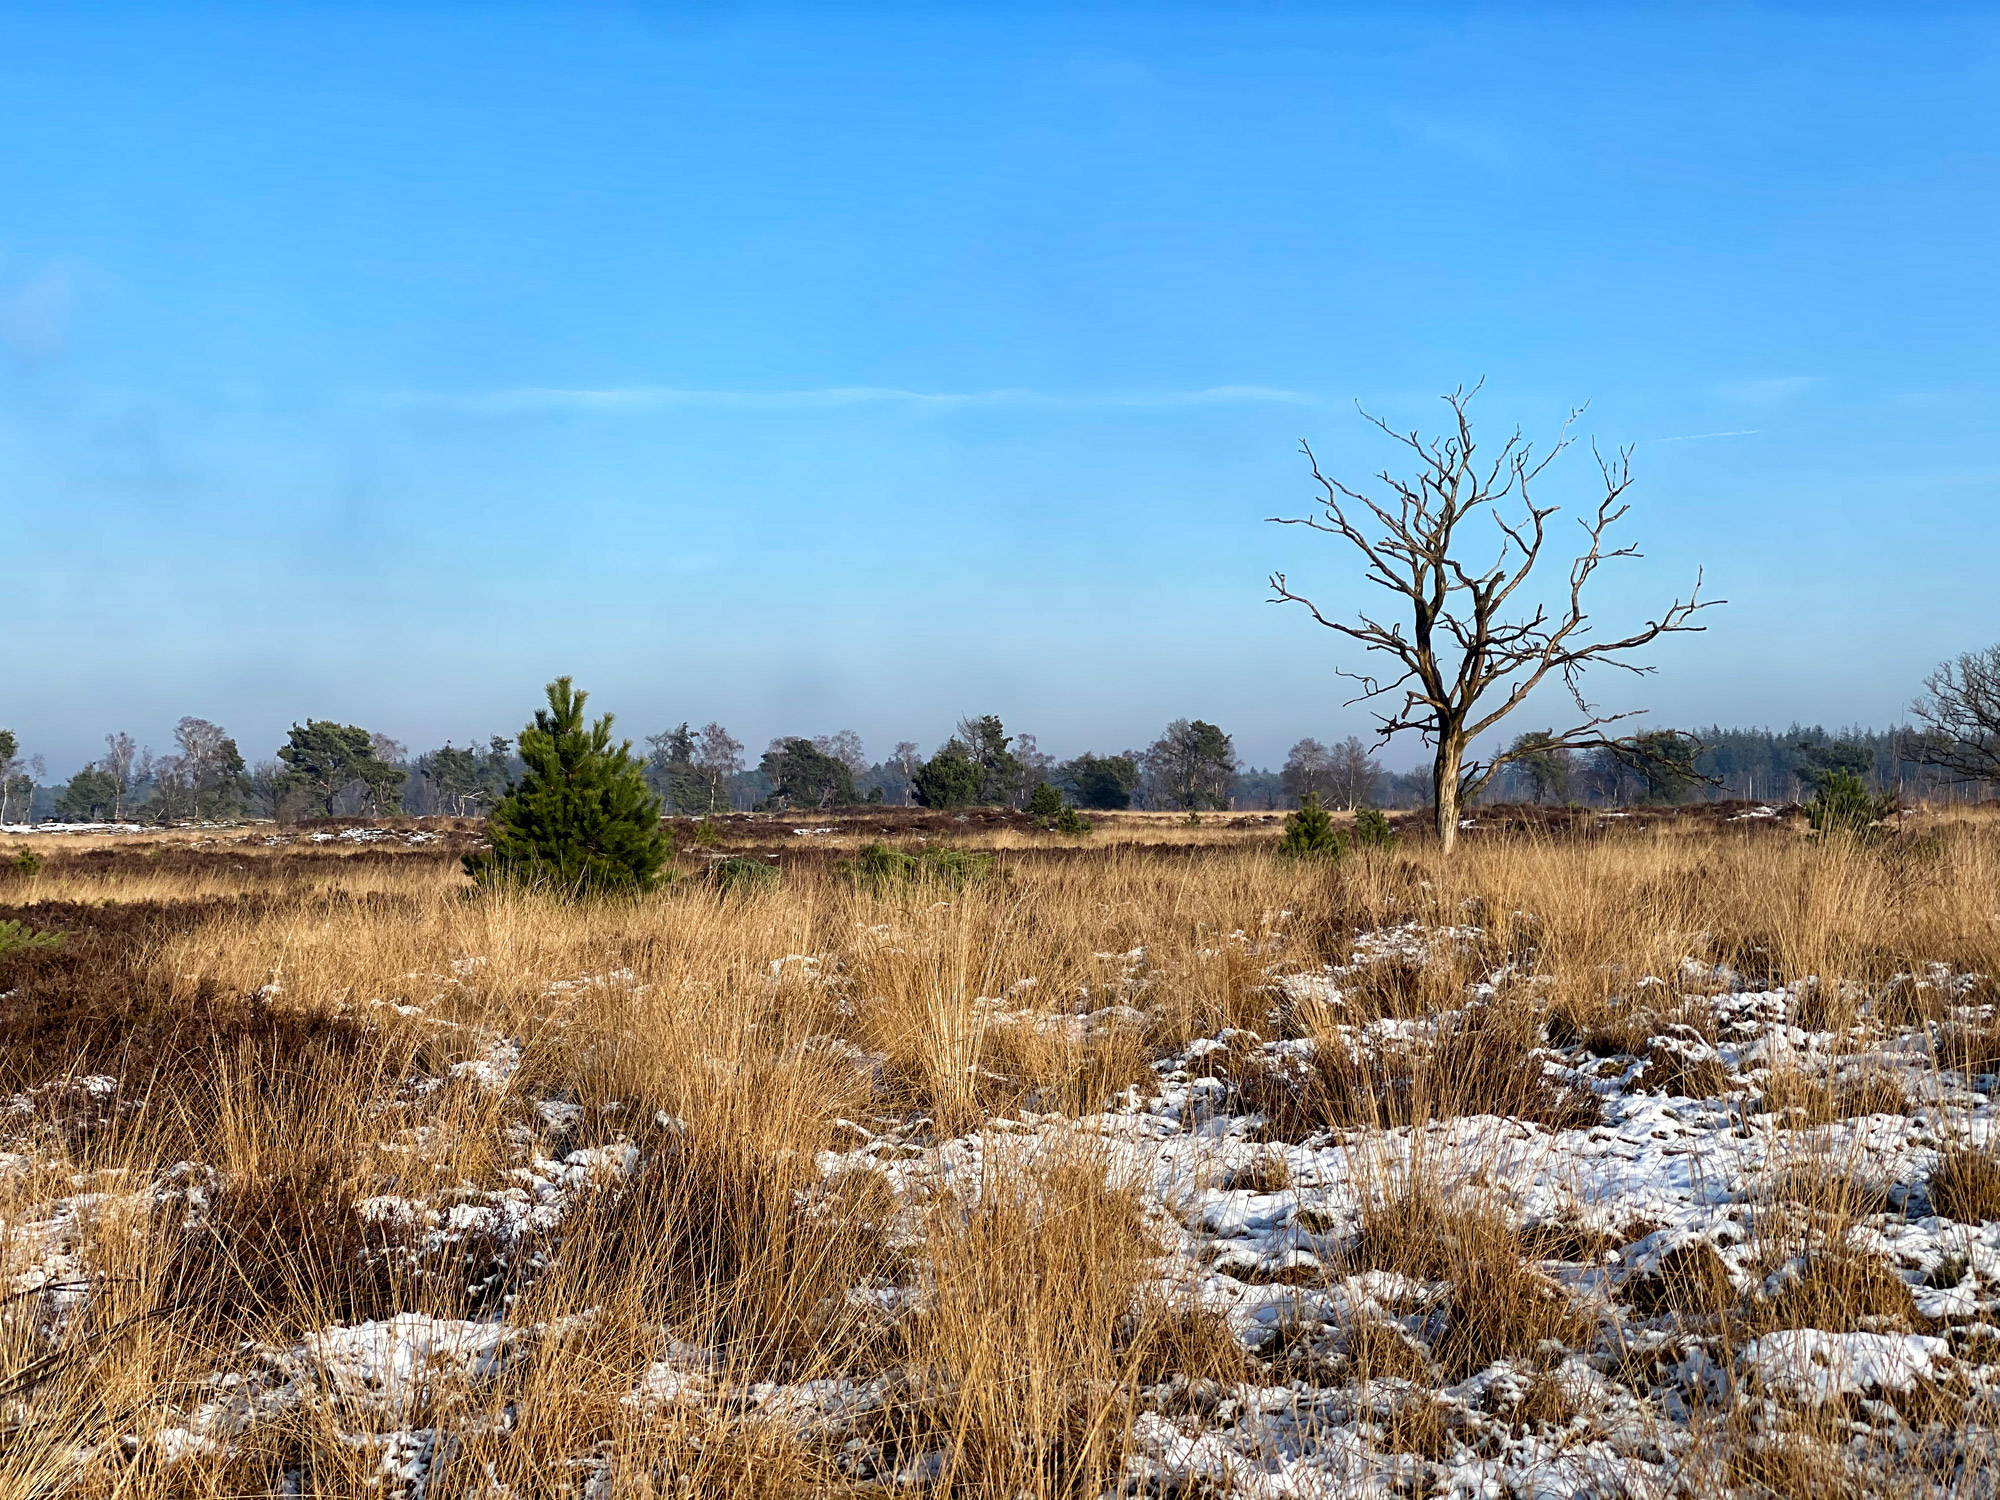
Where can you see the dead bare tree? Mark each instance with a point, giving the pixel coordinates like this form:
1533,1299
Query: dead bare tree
1463,665
1960,715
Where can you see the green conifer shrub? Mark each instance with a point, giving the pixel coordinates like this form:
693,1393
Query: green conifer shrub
949,779
706,835
1844,803
581,821
1073,823
19,937
27,863
1372,830
1045,804
880,867
1310,834
743,874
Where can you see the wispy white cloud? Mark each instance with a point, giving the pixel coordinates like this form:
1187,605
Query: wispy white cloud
1695,437
521,399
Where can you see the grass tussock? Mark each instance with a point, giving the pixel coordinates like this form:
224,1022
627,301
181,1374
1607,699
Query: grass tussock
1965,1185
1492,1302
1484,1060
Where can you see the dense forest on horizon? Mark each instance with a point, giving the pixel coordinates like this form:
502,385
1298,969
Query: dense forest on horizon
1192,766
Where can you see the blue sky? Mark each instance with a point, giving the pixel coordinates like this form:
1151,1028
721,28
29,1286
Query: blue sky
868,366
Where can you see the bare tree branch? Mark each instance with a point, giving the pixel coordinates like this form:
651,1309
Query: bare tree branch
1464,665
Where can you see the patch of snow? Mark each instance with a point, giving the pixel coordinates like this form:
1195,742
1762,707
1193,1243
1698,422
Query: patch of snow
1815,1366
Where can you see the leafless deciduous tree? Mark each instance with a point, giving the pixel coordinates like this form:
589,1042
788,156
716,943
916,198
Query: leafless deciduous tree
1308,770
1960,715
121,760
1354,773
718,755
1471,653
844,746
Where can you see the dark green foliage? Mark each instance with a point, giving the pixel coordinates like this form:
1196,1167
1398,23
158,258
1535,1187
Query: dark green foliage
1045,804
466,782
743,875
27,863
804,776
1102,782
1372,830
1310,834
706,835
1665,762
90,797
671,771
9,747
949,779
204,780
18,937
324,759
1544,763
984,741
1192,766
1818,761
1844,803
581,821
880,866
1072,822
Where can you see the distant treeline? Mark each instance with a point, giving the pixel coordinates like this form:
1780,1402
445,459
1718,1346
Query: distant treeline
330,769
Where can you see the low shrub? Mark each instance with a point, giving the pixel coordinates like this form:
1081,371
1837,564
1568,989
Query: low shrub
879,866
26,863
1310,834
1372,830
742,874
1844,803
19,937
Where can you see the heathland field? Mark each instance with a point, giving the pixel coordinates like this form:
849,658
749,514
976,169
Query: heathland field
1615,1155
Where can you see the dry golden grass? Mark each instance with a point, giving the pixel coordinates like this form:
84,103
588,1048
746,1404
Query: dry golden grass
268,1013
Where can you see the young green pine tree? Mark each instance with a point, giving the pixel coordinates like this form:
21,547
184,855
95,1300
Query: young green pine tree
1844,804
1045,804
581,821
1310,834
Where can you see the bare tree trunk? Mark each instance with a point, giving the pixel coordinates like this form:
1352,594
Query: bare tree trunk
1444,787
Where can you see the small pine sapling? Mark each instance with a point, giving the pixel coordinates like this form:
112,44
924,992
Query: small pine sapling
582,820
19,937
1073,823
743,875
1310,834
1372,830
1045,804
706,835
1844,803
27,863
